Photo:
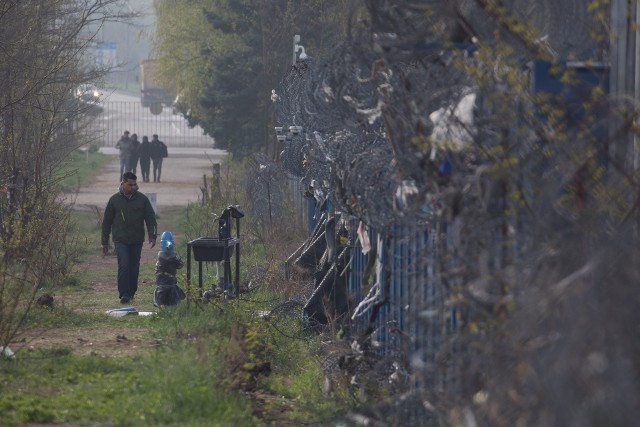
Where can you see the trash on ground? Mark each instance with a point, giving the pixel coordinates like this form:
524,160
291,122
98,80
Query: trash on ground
128,311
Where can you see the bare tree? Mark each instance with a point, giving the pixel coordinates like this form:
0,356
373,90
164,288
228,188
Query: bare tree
44,46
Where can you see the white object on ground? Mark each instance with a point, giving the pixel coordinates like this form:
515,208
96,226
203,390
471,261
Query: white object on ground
6,352
126,311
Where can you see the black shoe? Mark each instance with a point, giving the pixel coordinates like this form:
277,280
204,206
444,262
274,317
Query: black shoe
125,300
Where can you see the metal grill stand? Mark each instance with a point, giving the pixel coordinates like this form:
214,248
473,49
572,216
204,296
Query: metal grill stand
218,249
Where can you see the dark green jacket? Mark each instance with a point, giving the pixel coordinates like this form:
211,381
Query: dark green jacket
125,218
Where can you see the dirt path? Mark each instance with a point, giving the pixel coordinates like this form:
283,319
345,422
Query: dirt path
182,177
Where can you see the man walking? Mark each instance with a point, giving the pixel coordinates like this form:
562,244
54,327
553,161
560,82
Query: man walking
125,217
145,158
124,145
158,152
135,153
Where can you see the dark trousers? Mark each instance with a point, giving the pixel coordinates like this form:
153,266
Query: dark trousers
157,168
145,167
133,164
128,268
124,166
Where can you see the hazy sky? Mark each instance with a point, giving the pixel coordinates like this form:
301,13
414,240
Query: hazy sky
132,40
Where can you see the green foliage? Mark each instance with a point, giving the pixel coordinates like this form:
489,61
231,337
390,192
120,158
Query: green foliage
303,385
204,358
42,124
162,388
37,251
208,354
225,56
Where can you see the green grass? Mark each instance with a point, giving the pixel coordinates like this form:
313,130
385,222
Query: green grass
86,225
162,388
198,374
192,378
80,168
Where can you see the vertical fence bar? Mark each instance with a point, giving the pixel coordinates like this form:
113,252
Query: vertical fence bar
112,118
383,277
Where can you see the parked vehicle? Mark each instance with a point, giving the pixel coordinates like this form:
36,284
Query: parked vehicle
89,93
151,92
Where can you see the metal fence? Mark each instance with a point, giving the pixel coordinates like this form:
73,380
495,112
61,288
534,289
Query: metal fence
455,298
110,119
415,317
306,211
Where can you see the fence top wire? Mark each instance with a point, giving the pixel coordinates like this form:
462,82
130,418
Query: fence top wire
353,107
565,27
367,109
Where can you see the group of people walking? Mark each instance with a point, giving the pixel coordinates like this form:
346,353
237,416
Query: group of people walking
146,152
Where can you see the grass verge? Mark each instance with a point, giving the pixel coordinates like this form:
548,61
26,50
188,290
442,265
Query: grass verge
217,363
81,167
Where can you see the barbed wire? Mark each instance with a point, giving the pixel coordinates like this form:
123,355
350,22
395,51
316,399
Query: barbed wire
396,130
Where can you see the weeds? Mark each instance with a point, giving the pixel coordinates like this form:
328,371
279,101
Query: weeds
221,362
165,387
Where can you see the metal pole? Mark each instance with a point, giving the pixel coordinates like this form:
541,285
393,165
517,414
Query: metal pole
636,84
188,265
238,256
296,40
226,265
636,96
618,57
